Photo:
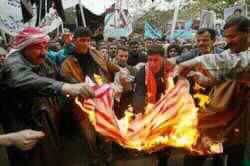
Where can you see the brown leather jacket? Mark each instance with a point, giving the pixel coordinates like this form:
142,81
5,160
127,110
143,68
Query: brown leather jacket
72,70
71,67
228,114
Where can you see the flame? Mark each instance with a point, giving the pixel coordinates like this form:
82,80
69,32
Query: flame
125,121
198,87
206,146
203,100
98,79
152,131
91,114
183,134
170,83
216,148
180,131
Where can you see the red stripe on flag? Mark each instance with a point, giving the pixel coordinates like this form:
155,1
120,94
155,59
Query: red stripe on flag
104,116
110,133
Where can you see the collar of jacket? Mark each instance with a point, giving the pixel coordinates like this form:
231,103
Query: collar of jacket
98,58
28,63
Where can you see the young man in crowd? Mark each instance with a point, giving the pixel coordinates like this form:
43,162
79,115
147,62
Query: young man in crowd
56,53
85,62
150,80
121,60
173,50
135,56
112,50
205,39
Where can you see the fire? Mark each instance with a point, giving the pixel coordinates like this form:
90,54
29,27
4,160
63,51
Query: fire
98,79
125,121
206,145
203,100
90,112
171,122
178,131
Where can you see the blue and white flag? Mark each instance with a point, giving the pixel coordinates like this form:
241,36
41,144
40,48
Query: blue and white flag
117,23
151,32
183,34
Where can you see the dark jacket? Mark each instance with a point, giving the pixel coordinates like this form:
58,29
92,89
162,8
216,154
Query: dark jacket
194,53
140,94
29,102
135,58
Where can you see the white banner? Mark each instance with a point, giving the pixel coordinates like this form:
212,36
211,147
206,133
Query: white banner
51,22
11,18
207,19
239,10
117,24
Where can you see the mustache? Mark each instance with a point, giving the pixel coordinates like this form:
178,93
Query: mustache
43,55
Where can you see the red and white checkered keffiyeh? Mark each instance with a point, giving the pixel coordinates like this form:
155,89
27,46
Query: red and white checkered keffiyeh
27,37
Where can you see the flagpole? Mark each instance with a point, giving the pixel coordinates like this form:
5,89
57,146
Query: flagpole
46,4
82,13
62,27
175,18
76,21
116,13
40,12
4,37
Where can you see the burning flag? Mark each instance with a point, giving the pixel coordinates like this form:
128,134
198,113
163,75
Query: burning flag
171,122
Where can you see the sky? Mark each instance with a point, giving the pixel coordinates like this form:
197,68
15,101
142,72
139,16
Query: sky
96,6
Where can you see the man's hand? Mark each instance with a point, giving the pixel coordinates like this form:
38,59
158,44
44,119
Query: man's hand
26,139
201,79
123,79
180,70
80,89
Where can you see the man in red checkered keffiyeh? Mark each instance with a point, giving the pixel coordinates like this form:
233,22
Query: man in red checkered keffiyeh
29,37
29,100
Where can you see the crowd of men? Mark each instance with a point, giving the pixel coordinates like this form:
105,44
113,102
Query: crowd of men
41,76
